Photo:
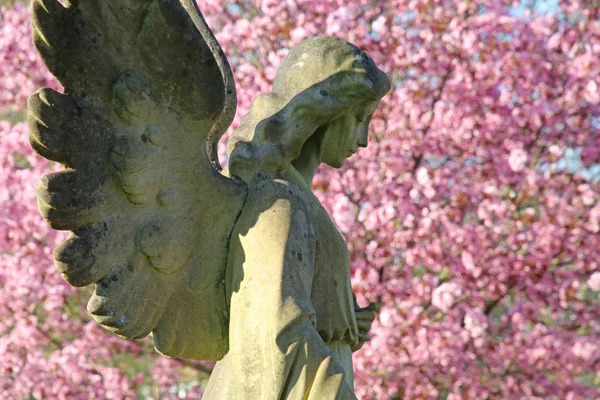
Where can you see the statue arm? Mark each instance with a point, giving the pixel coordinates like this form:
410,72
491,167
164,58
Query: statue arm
275,349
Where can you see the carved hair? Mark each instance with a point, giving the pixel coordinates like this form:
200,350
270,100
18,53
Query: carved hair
320,79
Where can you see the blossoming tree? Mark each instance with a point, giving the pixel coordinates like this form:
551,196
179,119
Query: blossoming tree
473,215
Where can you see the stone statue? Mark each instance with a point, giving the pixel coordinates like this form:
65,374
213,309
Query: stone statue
241,265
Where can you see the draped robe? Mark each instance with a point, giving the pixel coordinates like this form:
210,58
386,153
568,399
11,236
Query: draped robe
292,323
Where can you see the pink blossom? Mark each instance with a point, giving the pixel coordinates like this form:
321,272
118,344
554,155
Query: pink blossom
476,323
517,159
591,93
344,213
460,216
467,261
594,281
446,295
422,176
585,349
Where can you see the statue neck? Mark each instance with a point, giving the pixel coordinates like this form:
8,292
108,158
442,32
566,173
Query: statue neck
294,176
304,167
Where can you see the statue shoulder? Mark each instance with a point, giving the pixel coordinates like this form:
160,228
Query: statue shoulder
267,192
275,216
272,238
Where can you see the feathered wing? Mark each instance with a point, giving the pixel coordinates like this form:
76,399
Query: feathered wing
148,92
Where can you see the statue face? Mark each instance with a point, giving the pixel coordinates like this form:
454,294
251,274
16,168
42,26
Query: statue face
344,135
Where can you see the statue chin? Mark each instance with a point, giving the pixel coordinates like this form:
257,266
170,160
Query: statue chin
334,163
337,164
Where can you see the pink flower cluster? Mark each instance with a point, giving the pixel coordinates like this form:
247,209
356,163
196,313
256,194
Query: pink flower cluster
465,216
23,70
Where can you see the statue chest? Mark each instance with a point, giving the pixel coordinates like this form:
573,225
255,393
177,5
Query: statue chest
331,250
331,295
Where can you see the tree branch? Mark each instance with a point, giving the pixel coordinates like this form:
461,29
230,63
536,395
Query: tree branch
418,159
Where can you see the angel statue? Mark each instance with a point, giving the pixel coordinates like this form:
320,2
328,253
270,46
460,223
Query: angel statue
242,265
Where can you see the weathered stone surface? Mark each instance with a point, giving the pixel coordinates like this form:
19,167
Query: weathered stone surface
150,216
288,271
245,265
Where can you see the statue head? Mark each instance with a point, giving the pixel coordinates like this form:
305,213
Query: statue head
324,86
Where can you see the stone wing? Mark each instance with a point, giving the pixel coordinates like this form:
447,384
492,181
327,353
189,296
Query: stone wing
147,94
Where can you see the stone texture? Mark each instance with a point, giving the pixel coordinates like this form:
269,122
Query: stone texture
244,265
149,214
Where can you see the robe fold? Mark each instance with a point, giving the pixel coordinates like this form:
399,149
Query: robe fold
292,323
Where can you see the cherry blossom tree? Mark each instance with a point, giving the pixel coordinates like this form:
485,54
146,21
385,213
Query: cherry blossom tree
473,216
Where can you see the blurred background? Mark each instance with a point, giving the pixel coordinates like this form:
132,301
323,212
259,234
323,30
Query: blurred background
473,215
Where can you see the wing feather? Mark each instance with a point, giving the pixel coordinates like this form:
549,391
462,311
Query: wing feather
147,92
82,258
